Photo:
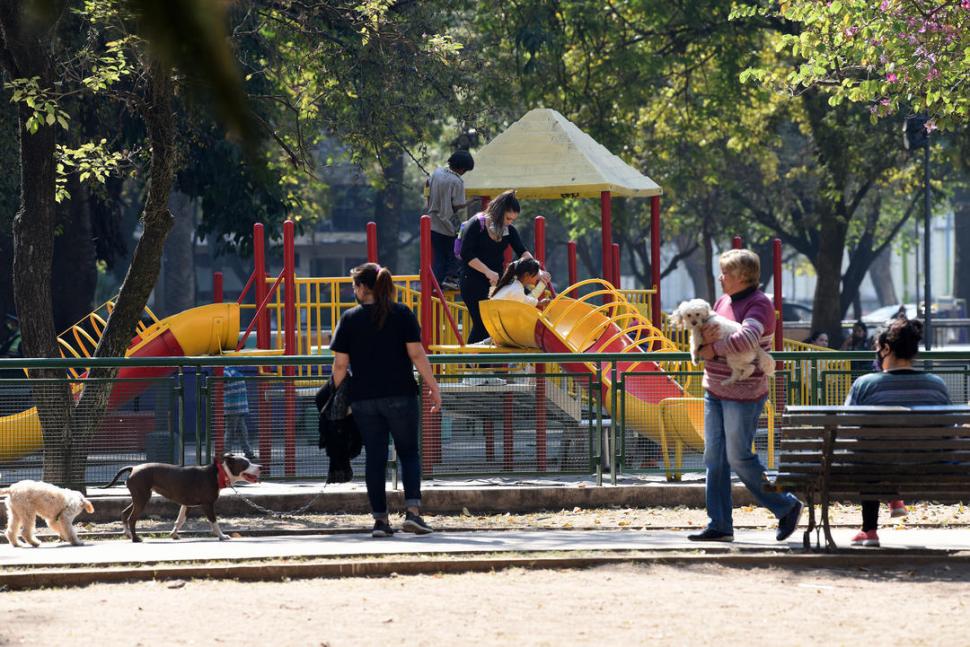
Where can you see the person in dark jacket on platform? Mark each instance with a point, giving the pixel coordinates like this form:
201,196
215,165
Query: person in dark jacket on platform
482,253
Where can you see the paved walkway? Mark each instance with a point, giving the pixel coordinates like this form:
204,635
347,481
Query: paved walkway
113,552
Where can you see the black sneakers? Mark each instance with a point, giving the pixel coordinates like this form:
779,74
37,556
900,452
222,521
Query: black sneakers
711,535
417,525
381,529
788,523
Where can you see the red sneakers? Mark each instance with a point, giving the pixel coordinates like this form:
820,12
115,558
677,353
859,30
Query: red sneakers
897,509
866,538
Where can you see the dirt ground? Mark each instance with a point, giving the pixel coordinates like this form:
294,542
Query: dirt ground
921,514
609,605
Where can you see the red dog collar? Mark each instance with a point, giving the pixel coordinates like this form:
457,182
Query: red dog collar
223,475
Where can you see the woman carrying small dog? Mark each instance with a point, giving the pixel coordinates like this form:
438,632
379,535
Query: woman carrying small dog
731,412
379,341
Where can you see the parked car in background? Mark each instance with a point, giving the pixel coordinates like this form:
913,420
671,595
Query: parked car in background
879,316
795,312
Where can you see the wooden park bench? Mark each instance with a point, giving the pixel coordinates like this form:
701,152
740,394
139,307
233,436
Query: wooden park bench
842,453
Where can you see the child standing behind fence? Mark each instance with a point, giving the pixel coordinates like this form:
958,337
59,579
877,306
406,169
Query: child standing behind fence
236,409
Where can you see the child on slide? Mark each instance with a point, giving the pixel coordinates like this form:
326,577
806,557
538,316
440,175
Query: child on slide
520,275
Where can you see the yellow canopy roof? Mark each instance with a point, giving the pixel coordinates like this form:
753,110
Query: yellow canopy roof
545,156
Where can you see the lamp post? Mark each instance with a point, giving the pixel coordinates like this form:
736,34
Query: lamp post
916,135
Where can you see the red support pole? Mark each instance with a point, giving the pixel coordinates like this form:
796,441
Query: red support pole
430,422
606,223
571,261
779,299
541,422
259,286
262,341
540,236
372,242
508,435
737,242
289,348
217,287
489,440
655,260
615,260
219,372
425,277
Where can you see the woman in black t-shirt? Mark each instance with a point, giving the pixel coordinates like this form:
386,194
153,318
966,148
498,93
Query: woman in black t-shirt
380,341
483,247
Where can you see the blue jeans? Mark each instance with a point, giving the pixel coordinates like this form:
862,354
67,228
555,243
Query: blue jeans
377,419
444,265
729,427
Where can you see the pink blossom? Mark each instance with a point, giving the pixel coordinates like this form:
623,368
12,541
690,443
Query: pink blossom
933,74
965,4
884,102
930,126
891,77
852,31
885,4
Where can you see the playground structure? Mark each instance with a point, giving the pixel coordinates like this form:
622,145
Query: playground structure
588,316
661,403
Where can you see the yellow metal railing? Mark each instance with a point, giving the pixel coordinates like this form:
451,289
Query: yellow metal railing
82,338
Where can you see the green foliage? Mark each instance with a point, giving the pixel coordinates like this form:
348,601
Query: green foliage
108,68
42,101
893,55
90,161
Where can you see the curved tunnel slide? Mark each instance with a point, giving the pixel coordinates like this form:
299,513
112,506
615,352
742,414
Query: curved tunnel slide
656,406
205,330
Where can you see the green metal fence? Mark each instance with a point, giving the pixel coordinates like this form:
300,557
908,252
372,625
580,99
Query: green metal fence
513,415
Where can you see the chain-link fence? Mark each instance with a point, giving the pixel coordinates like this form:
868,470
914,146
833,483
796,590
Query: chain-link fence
138,426
529,414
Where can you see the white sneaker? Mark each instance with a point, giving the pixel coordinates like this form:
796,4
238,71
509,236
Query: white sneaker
485,342
475,381
495,381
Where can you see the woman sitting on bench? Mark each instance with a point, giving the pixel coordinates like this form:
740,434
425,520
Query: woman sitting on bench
899,384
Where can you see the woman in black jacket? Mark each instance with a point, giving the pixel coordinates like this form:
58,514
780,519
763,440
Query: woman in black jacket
483,245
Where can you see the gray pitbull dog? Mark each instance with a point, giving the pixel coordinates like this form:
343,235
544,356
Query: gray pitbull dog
187,486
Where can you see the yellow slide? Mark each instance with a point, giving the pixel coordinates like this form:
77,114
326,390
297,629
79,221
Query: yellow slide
654,405
205,330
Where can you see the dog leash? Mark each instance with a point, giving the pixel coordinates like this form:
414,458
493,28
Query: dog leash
273,513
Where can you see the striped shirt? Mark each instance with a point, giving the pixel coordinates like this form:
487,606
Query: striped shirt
757,317
235,401
902,387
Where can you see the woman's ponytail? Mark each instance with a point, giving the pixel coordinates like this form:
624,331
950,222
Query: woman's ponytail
379,281
507,277
383,296
516,270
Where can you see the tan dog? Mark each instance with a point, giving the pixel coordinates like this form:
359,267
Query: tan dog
27,500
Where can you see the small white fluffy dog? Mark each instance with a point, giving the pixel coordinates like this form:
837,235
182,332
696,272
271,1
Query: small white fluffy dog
693,315
27,500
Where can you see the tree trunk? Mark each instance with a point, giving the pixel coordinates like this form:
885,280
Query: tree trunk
827,308
387,211
75,272
26,53
708,251
961,231
882,278
145,265
179,257
697,268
